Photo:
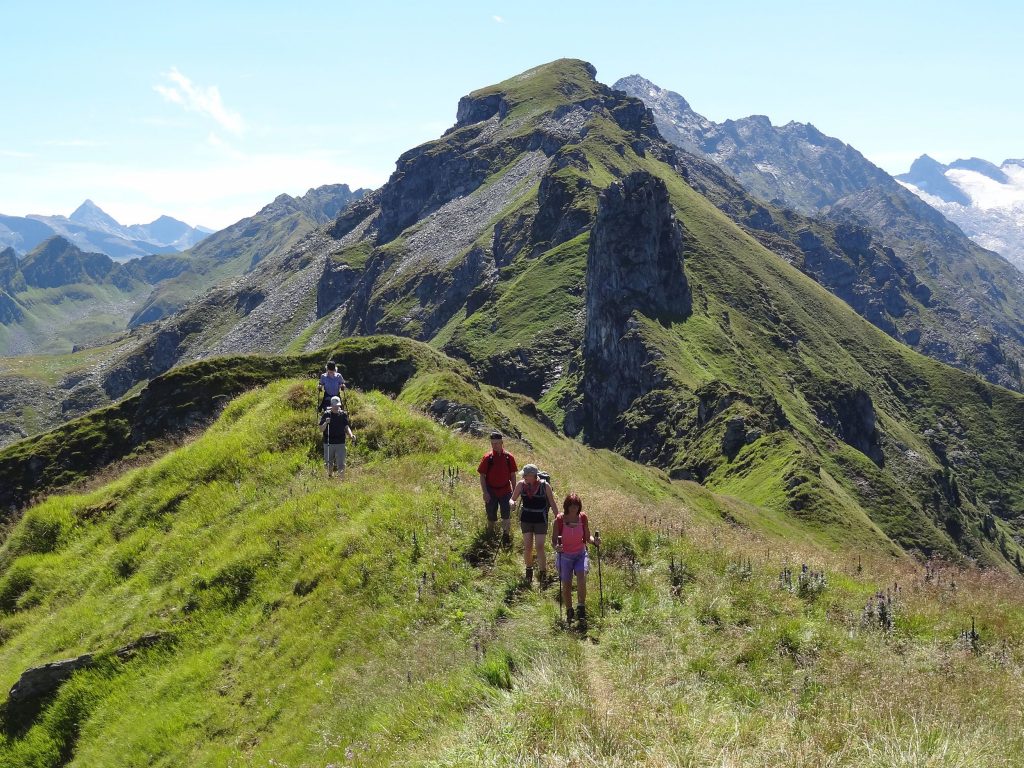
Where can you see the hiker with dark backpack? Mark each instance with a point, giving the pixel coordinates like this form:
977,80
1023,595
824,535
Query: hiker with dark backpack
570,536
537,499
497,469
334,424
332,383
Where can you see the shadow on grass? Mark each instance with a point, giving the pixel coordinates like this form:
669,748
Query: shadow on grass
483,550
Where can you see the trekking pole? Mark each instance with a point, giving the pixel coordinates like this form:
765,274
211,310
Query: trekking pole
600,581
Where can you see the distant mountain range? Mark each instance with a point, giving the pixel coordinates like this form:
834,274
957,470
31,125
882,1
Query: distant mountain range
985,200
61,295
92,229
927,284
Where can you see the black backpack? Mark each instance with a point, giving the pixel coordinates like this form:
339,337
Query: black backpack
508,462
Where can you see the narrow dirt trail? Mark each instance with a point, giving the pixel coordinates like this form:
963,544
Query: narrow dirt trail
606,704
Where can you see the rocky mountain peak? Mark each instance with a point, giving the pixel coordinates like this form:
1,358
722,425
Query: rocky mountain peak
537,114
929,175
54,249
91,215
678,122
58,262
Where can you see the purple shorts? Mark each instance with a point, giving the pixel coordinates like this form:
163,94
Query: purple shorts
570,564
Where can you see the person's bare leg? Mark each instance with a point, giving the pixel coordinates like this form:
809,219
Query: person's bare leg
581,587
567,592
528,550
541,559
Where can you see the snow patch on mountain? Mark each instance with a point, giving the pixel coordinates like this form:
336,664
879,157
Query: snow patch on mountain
994,215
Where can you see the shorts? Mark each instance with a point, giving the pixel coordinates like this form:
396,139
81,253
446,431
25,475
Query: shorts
336,453
540,529
578,562
498,501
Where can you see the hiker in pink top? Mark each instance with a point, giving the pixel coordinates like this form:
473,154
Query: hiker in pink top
569,537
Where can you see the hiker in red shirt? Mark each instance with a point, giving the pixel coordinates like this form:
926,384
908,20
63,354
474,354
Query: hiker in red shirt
497,473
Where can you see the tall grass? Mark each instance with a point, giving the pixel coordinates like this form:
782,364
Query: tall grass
306,625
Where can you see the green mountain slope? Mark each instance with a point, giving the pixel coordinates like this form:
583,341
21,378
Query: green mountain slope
58,297
242,608
761,383
235,250
964,304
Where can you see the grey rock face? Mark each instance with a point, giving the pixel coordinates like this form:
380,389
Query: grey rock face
635,264
850,414
38,682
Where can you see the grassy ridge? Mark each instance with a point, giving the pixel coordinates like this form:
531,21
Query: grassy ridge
300,629
188,397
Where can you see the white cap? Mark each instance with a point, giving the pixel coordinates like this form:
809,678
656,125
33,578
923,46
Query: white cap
335,400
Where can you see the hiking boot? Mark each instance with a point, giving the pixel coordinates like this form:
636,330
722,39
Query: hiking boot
569,615
542,579
529,576
581,615
506,539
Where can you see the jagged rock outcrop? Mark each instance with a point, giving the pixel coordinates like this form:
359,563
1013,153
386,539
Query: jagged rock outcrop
634,265
39,683
850,414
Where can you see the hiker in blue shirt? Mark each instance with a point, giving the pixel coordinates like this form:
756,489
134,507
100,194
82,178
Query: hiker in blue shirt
331,382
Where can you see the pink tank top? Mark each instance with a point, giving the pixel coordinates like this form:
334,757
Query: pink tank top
572,536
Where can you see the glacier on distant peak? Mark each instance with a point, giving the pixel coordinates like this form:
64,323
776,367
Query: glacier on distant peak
986,201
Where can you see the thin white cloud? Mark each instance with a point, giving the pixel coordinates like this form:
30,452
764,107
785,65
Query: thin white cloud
205,100
498,19
14,153
79,143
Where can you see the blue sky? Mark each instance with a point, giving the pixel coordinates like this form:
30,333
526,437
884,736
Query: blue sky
207,111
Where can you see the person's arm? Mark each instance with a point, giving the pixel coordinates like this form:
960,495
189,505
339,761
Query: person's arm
516,492
556,531
482,469
586,531
551,498
351,434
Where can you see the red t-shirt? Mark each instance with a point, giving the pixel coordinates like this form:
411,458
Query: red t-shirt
500,472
